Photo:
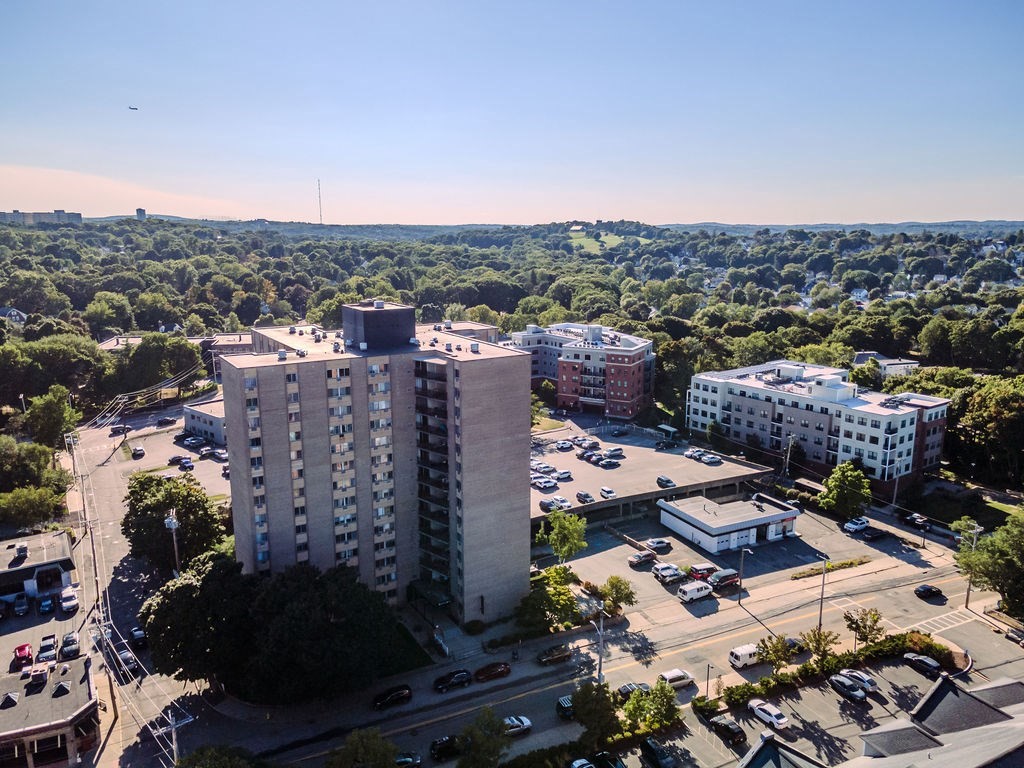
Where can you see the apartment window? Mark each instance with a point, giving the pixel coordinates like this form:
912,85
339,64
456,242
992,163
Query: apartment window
256,461
876,424
824,411
301,528
804,423
846,449
252,403
297,474
255,442
303,547
872,456
849,419
860,437
873,440
293,397
249,382
254,422
861,421
295,436
300,510
291,378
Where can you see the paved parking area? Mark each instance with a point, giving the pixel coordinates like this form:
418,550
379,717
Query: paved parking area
639,467
160,446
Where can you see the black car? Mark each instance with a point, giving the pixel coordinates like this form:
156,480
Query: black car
546,505
846,688
584,498
607,760
137,638
873,534
728,730
120,429
656,755
166,421
665,482
554,655
795,645
926,665
392,697
928,592
619,432
445,748
459,677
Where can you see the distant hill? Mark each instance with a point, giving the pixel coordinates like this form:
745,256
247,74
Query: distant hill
988,228
298,229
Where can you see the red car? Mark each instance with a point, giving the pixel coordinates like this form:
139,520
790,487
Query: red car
492,672
23,656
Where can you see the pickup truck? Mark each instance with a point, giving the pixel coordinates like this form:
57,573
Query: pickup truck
47,648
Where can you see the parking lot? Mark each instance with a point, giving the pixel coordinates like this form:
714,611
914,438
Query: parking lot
636,476
160,446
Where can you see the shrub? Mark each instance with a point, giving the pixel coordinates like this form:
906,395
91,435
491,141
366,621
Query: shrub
592,589
738,695
474,627
704,707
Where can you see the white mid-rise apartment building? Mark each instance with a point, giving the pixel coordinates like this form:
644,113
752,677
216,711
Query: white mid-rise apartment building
818,408
398,450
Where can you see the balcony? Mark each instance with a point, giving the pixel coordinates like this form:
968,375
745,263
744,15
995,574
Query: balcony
432,430
423,406
434,393
890,430
777,418
433,515
433,498
423,460
421,373
435,447
434,481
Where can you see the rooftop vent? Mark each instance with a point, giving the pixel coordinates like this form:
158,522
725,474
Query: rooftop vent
447,323
301,332
316,337
291,329
475,348
378,304
282,354
362,346
61,689
9,700
337,346
437,327
301,353
448,347
458,347
337,334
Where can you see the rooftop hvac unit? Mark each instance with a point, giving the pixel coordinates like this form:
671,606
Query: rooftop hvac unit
474,347
448,347
447,323
291,329
437,327
282,354
316,337
337,346
337,334
362,346
301,353
378,304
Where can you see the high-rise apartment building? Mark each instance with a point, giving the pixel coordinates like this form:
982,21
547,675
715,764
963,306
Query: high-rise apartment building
592,367
832,419
395,449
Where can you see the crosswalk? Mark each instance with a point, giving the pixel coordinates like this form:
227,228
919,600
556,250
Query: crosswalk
945,621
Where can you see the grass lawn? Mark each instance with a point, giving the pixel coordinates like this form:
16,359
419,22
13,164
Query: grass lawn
588,244
610,241
989,514
404,655
545,424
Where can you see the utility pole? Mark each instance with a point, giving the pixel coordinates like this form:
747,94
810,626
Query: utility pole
789,448
744,551
320,202
821,602
600,648
970,576
171,523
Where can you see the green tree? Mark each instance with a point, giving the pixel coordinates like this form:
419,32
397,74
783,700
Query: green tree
617,592
364,748
150,500
50,416
868,375
536,409
661,708
485,741
594,709
865,624
997,563
847,492
774,650
565,533
29,506
221,757
820,643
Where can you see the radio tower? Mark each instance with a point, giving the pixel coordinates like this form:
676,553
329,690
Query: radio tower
320,202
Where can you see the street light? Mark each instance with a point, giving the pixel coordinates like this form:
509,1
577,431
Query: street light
970,575
171,523
600,647
23,408
821,602
743,552
707,682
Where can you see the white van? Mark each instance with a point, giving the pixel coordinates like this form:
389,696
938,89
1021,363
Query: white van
744,656
677,678
695,590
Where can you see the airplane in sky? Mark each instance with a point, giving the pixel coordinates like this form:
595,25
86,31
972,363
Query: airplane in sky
135,108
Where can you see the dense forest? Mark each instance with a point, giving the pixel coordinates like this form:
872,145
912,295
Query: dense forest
710,300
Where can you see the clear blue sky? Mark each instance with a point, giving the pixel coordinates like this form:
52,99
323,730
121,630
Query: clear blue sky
519,112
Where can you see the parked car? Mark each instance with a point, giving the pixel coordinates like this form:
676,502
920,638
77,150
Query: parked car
607,760
581,763
768,713
194,442
206,452
873,534
608,464
47,648
665,482
1016,635
728,730
546,505
543,485
863,679
392,697
606,492
176,459
926,665
138,452
166,421
492,671
517,725
562,502
677,678
928,592
445,748
658,545
20,604
69,600
639,558
220,455
584,498
595,459
128,661
711,459
554,655
583,454
693,453
701,571
795,645
182,436
564,708
544,469
137,638
69,646
613,453
120,429
667,573
46,604
563,445
186,465
458,677
847,688
626,690
656,755
917,520
225,472
619,432
563,475
408,760
855,525
23,656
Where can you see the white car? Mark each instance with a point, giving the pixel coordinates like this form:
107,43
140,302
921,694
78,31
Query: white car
768,713
562,502
545,484
855,525
563,474
517,725
545,469
657,544
563,445
865,681
607,493
69,600
711,459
